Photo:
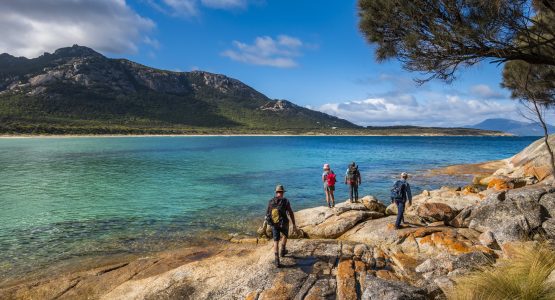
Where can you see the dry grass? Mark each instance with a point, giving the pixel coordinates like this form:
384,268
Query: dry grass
522,277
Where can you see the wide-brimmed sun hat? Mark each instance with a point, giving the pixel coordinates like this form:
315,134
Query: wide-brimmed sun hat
404,174
326,166
279,188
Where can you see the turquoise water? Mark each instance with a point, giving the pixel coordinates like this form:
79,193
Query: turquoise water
64,198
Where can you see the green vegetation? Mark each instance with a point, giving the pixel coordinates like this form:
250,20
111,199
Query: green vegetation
524,276
436,38
78,91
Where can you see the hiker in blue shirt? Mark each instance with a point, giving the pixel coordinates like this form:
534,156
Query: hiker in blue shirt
352,178
400,193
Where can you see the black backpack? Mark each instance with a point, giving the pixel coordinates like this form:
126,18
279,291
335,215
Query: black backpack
398,190
352,174
277,215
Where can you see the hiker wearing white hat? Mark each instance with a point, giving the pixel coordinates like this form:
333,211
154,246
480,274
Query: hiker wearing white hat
328,178
400,193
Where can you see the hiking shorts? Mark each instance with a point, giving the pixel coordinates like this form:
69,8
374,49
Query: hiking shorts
276,230
329,188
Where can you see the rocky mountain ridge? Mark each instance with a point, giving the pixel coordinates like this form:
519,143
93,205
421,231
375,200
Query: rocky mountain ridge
77,84
513,127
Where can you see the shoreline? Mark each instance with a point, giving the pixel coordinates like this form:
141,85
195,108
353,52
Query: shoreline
25,136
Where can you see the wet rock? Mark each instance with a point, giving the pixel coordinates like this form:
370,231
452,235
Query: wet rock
433,212
377,288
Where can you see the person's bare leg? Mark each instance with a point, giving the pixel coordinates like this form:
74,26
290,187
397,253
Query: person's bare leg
332,198
276,253
327,196
276,246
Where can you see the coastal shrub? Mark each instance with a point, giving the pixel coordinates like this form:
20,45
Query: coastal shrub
523,276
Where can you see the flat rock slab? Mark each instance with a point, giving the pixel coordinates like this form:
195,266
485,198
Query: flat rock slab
325,222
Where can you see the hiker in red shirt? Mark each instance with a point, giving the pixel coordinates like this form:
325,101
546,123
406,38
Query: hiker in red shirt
328,178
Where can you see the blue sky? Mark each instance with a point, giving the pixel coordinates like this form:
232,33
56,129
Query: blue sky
308,52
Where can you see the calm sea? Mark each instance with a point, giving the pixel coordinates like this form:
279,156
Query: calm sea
64,198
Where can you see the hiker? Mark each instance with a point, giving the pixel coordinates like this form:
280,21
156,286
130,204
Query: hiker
276,216
328,177
352,178
400,193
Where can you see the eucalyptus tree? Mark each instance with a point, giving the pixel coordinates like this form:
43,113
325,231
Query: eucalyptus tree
438,37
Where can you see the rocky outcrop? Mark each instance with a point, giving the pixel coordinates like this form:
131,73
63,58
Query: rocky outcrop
324,222
532,162
510,216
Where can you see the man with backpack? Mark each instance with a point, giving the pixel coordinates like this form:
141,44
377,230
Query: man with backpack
352,178
400,193
329,179
276,216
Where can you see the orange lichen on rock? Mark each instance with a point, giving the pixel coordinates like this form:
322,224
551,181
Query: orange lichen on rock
540,173
404,262
346,282
279,290
387,275
499,184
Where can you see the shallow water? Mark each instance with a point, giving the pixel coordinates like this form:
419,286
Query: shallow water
65,198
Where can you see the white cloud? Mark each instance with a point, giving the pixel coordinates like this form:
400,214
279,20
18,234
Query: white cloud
437,110
191,8
31,27
177,7
225,4
267,51
486,92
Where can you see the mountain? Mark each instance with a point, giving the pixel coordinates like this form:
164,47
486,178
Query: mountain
78,90
513,127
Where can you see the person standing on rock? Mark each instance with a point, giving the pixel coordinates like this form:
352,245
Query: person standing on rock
328,178
400,193
352,178
276,216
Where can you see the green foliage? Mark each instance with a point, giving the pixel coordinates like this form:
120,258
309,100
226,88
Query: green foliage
524,276
436,37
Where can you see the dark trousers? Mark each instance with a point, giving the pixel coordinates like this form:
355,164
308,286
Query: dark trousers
400,211
353,191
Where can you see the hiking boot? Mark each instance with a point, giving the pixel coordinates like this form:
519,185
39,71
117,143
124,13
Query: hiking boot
277,261
283,252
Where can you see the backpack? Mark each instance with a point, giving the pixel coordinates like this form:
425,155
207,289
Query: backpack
330,178
397,190
277,215
352,174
